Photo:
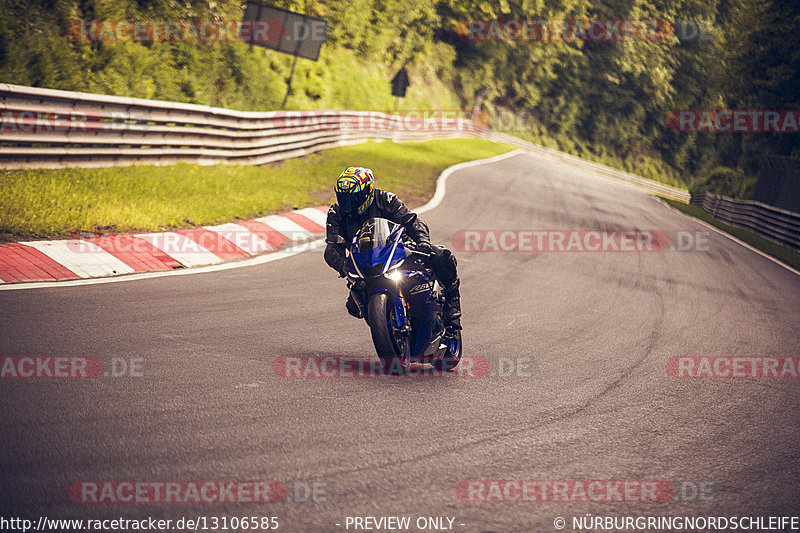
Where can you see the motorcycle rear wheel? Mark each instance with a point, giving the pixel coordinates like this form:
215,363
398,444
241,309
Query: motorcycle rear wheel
393,348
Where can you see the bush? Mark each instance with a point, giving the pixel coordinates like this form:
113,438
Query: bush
726,181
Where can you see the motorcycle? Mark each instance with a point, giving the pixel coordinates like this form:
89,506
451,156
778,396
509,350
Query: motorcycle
400,299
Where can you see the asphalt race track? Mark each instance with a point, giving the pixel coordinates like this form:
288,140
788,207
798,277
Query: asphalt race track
586,336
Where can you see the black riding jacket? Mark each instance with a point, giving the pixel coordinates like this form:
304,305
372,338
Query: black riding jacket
386,205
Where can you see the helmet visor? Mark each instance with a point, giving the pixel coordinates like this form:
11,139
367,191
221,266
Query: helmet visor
349,202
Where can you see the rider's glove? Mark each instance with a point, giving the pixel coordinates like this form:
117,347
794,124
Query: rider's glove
343,271
424,247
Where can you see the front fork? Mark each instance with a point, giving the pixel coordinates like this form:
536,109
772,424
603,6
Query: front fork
362,293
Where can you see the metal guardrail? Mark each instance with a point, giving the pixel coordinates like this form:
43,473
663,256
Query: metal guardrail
772,222
48,128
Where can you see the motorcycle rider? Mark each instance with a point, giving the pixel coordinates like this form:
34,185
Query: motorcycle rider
357,200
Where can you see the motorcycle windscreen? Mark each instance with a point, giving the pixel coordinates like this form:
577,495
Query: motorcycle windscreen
378,242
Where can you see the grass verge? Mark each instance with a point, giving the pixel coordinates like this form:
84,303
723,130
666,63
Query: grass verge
778,251
45,203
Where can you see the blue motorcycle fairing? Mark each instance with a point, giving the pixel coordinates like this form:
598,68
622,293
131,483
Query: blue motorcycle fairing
376,261
425,310
367,259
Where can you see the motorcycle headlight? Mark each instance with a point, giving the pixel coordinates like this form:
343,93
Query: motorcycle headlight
395,275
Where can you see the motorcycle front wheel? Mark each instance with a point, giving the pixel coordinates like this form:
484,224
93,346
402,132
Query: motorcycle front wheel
393,348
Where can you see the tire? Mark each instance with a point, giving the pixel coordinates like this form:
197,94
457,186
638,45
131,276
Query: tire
452,357
394,350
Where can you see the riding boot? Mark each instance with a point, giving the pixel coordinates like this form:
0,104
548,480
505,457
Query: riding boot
452,306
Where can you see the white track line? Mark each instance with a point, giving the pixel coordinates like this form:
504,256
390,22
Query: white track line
731,237
438,196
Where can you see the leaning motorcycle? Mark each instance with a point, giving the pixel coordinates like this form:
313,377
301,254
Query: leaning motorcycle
400,299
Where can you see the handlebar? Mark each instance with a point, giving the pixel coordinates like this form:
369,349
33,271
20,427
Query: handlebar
413,248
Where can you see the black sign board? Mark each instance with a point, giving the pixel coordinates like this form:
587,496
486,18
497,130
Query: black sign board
400,82
287,32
